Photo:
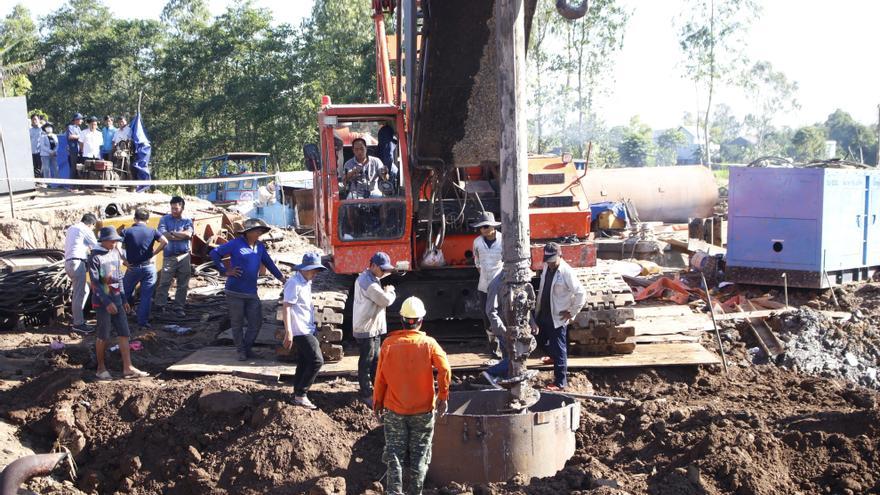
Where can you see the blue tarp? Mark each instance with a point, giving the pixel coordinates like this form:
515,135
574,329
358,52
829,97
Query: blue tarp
617,208
140,165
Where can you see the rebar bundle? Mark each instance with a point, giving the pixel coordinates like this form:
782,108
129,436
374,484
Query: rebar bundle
33,296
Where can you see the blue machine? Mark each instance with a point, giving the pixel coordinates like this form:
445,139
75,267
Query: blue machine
243,195
818,226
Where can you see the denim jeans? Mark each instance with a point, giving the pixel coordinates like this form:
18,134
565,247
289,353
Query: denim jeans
308,362
146,276
500,368
49,167
555,342
244,307
368,359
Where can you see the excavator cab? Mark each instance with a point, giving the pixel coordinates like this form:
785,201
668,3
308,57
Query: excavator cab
363,207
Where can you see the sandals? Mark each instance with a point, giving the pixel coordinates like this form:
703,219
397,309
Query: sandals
135,374
104,376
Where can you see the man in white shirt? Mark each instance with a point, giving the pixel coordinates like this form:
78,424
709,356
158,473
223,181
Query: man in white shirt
123,131
487,260
78,242
300,327
560,297
91,140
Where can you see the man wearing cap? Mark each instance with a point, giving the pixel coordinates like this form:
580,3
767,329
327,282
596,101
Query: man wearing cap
79,240
91,140
138,241
49,151
176,263
493,313
300,327
74,131
105,274
404,397
246,253
35,134
107,133
368,322
560,296
487,260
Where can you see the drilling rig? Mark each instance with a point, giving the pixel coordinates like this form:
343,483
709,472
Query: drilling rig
449,125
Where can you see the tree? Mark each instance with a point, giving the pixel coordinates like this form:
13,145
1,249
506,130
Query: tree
808,143
854,140
18,40
539,56
773,95
667,146
636,145
712,40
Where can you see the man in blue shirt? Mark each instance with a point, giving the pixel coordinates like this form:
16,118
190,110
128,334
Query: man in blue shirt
108,131
178,230
138,242
246,253
300,328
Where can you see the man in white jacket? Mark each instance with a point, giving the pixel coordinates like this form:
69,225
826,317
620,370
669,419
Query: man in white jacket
560,297
368,322
487,260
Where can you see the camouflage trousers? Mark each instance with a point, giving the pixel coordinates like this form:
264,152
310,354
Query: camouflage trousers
407,433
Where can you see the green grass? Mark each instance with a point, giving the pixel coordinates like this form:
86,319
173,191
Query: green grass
722,176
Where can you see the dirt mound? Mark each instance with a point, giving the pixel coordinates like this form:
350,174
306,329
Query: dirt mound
197,436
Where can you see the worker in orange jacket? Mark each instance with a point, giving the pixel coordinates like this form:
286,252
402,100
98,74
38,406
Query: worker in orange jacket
403,396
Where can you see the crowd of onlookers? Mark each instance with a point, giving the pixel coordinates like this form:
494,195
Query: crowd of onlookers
89,143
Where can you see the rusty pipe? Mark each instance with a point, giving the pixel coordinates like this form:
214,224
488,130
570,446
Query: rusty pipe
27,467
570,12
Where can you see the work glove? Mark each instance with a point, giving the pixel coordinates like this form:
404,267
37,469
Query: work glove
441,408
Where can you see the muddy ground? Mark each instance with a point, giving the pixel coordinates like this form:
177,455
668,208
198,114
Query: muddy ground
762,428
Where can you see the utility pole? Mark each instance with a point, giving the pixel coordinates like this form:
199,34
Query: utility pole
518,295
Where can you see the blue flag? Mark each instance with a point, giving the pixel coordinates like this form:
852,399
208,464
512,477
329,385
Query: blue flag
140,165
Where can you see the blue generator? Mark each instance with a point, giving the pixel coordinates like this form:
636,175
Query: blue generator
817,226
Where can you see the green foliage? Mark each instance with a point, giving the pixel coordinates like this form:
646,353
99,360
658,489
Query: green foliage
854,140
667,145
808,143
636,145
712,40
773,95
18,40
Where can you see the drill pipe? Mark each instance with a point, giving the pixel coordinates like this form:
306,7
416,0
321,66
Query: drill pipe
27,467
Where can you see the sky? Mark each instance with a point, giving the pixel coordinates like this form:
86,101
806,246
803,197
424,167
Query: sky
827,48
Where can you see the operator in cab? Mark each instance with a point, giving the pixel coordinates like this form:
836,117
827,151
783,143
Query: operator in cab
360,175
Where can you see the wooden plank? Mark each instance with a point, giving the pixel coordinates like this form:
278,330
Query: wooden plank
640,311
666,325
654,339
265,337
224,360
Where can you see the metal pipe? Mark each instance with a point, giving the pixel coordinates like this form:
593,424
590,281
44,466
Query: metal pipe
517,296
8,182
571,13
27,467
715,323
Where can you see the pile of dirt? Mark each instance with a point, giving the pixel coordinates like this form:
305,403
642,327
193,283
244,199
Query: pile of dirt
198,436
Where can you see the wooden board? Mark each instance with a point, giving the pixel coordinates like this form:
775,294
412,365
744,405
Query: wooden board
223,360
766,313
265,337
641,312
666,325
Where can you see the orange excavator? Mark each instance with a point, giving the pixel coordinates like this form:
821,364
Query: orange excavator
437,130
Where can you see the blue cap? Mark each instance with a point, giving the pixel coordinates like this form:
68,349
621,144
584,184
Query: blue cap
310,261
76,116
383,261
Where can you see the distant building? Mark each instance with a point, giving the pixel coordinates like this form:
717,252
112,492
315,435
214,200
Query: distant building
689,152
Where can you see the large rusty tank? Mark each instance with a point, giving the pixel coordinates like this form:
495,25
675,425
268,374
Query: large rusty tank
660,194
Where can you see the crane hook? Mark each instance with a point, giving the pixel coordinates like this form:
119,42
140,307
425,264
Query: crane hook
570,12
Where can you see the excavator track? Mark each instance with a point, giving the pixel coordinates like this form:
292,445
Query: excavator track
598,328
329,296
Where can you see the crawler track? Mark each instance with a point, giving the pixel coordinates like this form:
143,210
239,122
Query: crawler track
596,329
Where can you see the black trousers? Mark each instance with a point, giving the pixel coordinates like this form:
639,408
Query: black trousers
308,362
368,359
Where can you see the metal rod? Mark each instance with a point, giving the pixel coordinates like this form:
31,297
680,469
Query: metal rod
714,323
600,398
6,168
785,287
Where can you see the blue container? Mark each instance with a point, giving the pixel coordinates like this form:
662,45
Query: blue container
818,226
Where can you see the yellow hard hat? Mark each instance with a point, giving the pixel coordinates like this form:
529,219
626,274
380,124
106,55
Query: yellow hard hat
413,308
